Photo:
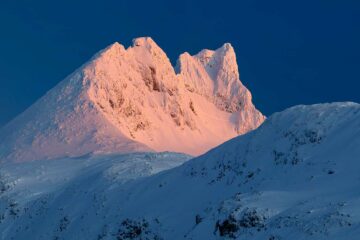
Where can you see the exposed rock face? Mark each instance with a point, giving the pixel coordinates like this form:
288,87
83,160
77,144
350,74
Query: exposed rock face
126,100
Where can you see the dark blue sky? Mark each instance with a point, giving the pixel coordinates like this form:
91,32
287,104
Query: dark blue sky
289,52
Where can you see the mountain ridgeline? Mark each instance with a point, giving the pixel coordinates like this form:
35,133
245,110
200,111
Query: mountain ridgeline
131,100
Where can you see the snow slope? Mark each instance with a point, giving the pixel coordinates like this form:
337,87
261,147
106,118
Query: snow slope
130,100
295,177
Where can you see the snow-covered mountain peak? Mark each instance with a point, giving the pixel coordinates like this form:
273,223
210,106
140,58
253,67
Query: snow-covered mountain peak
114,50
215,75
146,42
147,46
213,57
228,46
134,93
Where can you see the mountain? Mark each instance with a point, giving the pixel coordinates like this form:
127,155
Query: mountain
294,177
131,100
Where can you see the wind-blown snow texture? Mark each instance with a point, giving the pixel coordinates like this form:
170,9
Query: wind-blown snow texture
129,100
295,177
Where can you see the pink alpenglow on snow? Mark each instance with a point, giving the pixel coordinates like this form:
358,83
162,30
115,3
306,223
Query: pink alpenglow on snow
131,100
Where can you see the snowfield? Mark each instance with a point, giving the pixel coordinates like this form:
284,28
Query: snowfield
295,177
51,187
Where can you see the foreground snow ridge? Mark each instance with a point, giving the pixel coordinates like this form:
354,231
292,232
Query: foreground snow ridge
295,177
130,100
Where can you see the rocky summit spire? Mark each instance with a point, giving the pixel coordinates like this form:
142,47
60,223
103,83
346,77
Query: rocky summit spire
126,100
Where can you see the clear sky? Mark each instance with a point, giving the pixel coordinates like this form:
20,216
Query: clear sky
289,52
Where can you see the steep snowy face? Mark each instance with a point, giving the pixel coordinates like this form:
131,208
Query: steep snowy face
215,74
64,122
126,100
